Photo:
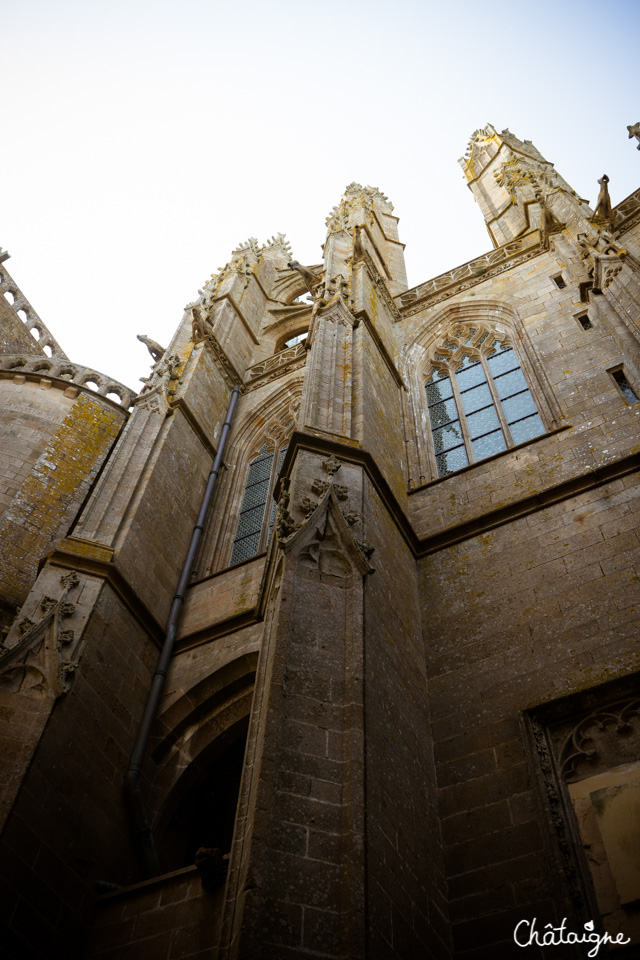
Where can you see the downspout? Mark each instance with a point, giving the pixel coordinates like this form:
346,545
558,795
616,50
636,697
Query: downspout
139,822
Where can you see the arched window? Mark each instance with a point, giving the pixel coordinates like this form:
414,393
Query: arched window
255,522
478,400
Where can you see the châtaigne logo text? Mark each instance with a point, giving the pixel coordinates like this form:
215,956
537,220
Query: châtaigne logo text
526,934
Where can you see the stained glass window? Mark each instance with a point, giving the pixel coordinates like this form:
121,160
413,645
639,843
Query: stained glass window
252,534
481,408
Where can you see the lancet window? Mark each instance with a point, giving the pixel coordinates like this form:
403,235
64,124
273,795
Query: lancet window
257,511
478,399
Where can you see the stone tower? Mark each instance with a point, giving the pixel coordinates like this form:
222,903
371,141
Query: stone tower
347,595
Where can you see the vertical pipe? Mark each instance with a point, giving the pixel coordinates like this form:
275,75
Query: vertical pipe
140,826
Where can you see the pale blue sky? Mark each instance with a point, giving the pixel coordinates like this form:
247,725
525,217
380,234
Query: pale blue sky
142,141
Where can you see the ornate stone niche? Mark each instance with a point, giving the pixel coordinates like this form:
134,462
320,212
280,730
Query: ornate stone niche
587,752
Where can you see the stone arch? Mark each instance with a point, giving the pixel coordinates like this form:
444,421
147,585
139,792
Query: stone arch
196,731
441,339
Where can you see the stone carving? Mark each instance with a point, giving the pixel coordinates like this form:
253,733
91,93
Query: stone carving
603,206
558,815
311,279
31,662
164,375
341,491
634,131
356,195
352,517
152,346
336,288
331,465
319,487
202,332
284,523
582,744
465,340
291,358
307,506
366,548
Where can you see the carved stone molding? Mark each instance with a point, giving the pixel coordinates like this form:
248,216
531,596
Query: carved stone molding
588,744
62,369
291,358
572,739
470,274
40,657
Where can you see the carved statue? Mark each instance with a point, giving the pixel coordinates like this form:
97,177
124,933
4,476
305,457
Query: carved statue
634,131
152,346
603,207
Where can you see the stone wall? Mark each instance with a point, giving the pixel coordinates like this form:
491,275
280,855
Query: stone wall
528,613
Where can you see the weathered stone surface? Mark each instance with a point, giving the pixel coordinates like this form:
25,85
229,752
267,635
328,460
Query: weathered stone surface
408,656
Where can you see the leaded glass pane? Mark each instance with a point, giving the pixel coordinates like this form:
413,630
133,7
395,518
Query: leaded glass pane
246,548
489,444
520,406
476,398
447,437
439,390
483,422
526,429
250,521
451,461
510,383
470,377
255,494
260,469
503,362
442,413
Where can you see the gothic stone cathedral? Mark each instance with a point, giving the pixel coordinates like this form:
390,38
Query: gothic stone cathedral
325,645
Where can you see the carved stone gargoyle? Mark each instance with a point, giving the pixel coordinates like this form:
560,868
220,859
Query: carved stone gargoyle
152,346
309,278
603,206
634,131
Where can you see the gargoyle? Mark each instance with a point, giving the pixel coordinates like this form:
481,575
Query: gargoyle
152,346
603,206
310,278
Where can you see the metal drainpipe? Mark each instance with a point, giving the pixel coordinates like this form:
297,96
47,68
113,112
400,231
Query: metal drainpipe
140,826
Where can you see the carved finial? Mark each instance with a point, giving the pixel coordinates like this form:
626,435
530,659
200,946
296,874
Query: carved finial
152,346
634,131
4,255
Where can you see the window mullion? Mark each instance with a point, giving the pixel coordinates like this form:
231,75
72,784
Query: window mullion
496,402
462,417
